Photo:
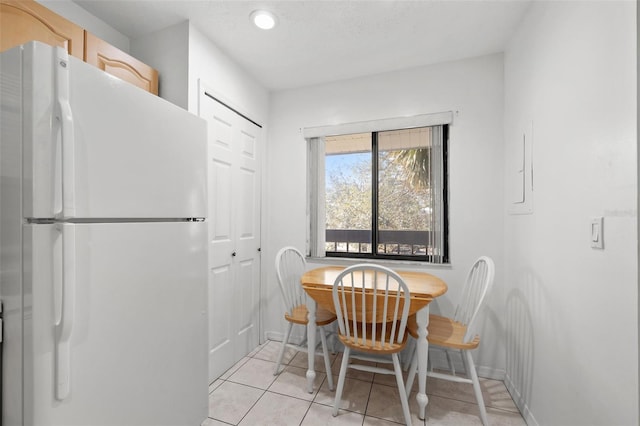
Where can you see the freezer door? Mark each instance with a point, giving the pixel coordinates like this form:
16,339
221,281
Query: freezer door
102,148
136,318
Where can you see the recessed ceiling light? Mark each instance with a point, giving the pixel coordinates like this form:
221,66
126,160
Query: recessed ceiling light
263,19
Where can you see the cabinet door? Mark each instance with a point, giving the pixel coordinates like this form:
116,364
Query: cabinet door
25,20
116,62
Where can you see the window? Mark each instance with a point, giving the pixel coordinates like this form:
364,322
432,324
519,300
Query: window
380,194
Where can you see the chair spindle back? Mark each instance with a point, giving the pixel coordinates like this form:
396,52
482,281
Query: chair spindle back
290,266
477,285
372,305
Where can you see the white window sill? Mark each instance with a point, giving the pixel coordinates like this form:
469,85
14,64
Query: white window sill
391,263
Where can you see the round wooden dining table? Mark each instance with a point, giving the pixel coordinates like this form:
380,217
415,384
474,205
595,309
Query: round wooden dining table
423,287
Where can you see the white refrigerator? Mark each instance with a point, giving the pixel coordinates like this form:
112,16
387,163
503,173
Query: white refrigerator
103,251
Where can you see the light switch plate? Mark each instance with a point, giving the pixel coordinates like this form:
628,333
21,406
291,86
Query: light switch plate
597,233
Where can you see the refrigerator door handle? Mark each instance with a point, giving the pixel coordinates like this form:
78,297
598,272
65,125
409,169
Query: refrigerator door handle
64,302
65,116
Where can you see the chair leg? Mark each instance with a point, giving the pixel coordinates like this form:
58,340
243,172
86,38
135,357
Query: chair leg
343,372
411,345
471,371
412,371
276,370
401,390
452,369
325,353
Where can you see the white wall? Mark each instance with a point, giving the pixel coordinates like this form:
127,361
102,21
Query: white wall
79,16
572,314
474,88
225,77
183,56
167,51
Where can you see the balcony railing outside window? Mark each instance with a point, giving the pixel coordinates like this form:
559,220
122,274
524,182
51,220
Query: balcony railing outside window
356,241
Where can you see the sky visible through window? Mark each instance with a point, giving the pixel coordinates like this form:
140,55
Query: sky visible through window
343,163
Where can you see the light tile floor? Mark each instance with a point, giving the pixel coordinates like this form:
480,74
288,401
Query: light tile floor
249,394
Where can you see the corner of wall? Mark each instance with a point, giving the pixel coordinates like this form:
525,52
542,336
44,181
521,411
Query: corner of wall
167,51
520,402
231,82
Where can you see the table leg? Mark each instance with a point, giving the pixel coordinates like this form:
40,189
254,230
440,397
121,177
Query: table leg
311,343
422,350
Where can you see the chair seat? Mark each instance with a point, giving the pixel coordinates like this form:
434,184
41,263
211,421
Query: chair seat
367,346
299,316
444,332
362,294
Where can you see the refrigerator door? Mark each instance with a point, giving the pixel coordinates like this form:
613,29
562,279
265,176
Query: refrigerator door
136,320
100,148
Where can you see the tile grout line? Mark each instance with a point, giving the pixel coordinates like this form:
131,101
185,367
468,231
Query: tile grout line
249,410
286,364
312,401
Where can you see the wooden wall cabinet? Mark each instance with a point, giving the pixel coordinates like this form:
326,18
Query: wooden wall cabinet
116,62
24,20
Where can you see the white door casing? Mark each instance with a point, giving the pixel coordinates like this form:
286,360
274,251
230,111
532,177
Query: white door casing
234,234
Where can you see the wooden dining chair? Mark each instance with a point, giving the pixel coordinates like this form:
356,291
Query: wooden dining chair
290,265
372,305
458,333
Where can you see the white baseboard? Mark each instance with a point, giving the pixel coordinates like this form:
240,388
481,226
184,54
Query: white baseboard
297,339
490,373
520,402
273,335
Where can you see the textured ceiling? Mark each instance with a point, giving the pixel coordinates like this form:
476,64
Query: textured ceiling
322,41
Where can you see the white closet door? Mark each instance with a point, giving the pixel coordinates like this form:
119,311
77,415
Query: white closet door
234,235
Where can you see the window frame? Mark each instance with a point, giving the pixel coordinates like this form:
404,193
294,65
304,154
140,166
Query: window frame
316,212
375,231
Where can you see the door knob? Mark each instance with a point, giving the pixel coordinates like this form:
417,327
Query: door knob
233,254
